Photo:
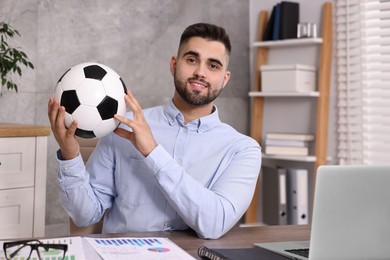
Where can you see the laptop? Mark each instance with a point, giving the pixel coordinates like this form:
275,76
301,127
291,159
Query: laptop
351,216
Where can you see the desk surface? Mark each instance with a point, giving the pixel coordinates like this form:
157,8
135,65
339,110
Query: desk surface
239,237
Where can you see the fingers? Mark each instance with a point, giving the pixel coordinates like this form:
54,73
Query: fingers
72,128
56,115
140,134
124,133
60,118
52,110
132,102
123,120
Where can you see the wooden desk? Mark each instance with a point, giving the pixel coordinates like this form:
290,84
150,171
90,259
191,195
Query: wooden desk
239,237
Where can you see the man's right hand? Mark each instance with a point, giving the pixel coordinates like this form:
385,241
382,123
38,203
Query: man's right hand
65,137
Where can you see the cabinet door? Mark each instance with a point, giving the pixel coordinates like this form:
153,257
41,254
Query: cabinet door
16,213
17,162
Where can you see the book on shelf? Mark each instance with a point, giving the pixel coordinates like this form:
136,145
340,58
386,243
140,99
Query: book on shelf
276,26
290,136
289,143
286,150
289,19
267,36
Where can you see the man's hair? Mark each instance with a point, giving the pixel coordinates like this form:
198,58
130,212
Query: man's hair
206,31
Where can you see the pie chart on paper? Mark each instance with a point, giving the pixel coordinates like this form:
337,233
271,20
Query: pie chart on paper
158,249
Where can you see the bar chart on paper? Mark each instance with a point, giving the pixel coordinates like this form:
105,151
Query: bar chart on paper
137,248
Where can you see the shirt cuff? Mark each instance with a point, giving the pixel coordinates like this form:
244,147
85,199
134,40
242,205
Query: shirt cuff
69,168
158,159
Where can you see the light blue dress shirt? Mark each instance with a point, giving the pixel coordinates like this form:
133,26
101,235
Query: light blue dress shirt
202,175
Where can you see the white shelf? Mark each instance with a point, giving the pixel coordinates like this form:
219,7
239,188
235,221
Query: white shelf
310,158
296,158
290,42
283,94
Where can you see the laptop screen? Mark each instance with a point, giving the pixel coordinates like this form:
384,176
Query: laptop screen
351,213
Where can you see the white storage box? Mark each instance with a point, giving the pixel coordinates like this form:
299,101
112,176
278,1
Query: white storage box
288,78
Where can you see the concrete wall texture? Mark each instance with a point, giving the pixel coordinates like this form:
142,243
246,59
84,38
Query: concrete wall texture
135,38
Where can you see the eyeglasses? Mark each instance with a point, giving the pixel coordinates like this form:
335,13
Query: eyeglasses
24,249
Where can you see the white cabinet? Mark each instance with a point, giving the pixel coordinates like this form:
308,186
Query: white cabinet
23,163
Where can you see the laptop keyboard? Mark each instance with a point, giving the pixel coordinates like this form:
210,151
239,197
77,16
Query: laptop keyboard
302,252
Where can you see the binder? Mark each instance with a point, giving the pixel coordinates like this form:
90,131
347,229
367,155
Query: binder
267,36
297,196
274,196
276,27
252,253
289,19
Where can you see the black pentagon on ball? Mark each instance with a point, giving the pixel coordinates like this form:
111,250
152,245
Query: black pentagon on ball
94,72
84,133
70,101
107,108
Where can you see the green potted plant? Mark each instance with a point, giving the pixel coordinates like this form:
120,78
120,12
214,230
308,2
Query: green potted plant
11,59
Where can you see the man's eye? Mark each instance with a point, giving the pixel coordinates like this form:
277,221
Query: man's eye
191,60
214,66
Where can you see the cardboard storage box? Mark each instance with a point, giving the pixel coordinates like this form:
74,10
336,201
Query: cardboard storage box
288,78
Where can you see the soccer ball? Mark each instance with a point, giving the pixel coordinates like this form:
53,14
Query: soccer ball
91,94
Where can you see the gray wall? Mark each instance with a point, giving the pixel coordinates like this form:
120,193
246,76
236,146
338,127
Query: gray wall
135,38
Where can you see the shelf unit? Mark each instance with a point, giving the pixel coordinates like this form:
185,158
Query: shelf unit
322,94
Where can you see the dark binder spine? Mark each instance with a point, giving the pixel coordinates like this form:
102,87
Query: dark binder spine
267,36
209,254
276,27
289,19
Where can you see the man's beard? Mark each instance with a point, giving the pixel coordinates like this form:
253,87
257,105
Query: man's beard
195,97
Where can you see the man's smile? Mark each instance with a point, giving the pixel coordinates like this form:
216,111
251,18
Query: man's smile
198,85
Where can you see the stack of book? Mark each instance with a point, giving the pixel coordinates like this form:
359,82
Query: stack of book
287,144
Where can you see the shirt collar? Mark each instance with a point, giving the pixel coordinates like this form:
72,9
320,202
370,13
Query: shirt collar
174,116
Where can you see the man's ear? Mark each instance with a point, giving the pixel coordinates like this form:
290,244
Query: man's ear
226,78
173,64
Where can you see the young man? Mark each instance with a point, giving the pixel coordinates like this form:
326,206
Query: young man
170,167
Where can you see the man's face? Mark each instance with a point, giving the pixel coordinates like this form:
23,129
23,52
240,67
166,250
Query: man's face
200,70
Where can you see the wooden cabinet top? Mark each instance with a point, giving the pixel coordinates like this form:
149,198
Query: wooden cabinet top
21,130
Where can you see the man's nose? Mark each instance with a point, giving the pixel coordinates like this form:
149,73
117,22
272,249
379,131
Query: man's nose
200,70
